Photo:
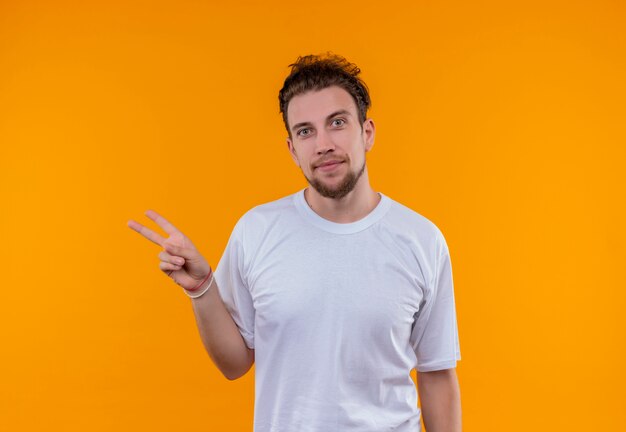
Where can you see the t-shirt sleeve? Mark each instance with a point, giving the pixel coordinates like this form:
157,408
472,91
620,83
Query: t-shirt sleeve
434,336
230,278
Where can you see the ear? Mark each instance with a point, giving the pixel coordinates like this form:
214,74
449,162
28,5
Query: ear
369,132
292,151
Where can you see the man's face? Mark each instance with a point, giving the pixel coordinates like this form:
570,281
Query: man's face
325,129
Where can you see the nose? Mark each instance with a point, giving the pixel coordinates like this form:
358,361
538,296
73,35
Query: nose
324,143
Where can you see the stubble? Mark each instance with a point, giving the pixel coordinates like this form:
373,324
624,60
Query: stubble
342,189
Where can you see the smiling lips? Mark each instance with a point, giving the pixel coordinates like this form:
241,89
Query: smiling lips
328,165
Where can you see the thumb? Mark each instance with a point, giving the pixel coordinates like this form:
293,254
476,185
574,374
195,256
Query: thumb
187,253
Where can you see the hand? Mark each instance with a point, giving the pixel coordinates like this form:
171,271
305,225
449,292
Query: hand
180,259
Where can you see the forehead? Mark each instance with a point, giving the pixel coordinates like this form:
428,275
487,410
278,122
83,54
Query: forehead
315,105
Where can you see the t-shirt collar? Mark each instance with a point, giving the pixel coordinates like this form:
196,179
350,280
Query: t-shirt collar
341,228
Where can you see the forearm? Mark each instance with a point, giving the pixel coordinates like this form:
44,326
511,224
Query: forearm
220,335
440,400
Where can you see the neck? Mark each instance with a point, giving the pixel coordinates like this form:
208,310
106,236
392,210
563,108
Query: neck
357,204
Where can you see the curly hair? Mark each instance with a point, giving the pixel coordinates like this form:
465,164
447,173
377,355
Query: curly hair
316,72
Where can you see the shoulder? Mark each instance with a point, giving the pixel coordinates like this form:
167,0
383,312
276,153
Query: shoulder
268,211
406,220
262,218
422,237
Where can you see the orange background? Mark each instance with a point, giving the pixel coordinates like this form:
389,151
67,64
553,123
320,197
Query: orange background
502,122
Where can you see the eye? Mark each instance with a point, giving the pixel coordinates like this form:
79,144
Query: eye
338,122
301,132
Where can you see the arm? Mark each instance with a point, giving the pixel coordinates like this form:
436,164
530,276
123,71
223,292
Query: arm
220,335
440,400
218,330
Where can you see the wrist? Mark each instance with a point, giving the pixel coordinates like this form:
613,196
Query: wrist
203,288
202,284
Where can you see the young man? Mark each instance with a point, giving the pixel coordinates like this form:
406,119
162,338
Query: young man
335,292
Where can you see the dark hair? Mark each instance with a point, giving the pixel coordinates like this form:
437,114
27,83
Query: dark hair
316,72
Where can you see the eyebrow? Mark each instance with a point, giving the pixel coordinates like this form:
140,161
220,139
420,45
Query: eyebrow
336,113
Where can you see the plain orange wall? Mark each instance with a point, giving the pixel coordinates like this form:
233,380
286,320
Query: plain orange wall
502,122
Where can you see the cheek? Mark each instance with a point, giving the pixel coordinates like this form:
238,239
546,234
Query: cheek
299,157
301,161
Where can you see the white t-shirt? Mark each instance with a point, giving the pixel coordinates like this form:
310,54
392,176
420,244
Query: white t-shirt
339,314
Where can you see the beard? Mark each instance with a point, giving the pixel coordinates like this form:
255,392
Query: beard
342,189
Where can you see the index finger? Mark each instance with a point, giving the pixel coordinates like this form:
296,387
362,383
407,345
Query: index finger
146,232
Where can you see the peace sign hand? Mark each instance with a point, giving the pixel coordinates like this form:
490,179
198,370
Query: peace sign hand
180,259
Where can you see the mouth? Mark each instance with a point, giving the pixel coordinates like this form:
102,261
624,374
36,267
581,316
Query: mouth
329,166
